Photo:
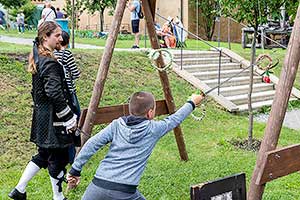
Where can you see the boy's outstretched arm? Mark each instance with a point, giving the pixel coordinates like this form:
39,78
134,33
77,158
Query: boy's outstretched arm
87,151
164,126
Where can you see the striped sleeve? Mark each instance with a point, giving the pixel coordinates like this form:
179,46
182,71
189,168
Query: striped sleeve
72,66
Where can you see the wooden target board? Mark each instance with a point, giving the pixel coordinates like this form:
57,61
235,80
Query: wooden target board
228,188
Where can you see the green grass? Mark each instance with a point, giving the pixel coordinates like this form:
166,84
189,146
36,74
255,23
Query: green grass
166,177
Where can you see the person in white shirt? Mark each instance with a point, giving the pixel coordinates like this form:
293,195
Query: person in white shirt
48,14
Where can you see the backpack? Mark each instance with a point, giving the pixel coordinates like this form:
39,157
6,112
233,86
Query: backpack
140,14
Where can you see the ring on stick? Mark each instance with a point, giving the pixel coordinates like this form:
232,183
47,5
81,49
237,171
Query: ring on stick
166,56
200,111
260,59
201,108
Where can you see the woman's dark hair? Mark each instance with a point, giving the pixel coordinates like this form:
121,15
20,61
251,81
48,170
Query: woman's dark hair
66,38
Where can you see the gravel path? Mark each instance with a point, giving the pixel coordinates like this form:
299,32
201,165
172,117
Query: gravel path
28,41
291,120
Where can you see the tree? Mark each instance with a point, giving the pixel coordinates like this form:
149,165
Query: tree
99,5
78,10
253,13
13,3
208,12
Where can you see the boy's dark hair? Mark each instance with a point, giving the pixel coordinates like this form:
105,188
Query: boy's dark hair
140,103
66,38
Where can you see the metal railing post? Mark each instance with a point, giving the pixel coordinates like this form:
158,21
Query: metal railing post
219,72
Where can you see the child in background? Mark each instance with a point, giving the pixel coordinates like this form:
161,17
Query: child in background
72,73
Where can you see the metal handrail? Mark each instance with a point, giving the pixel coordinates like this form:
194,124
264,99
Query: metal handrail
202,40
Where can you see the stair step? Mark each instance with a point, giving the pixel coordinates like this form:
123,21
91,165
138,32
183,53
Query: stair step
211,67
233,82
223,74
256,97
256,105
194,61
199,54
243,89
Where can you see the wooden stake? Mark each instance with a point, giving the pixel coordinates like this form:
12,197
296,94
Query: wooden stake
279,106
102,71
149,15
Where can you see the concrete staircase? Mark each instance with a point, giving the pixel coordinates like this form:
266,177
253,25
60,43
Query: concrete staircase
200,68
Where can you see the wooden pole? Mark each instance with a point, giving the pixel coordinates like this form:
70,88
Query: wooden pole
279,106
102,71
73,23
149,15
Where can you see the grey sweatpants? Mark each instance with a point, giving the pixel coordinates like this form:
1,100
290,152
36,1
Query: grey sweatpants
93,192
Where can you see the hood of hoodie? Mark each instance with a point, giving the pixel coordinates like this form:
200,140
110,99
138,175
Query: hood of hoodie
134,128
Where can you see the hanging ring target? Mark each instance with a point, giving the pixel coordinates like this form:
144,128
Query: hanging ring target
269,65
202,109
167,58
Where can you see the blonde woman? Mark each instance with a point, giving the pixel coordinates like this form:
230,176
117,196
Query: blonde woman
53,120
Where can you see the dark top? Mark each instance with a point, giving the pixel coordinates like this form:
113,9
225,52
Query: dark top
51,105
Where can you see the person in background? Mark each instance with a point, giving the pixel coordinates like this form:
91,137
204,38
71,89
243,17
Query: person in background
169,38
132,139
53,120
48,12
2,20
72,73
59,14
21,22
135,6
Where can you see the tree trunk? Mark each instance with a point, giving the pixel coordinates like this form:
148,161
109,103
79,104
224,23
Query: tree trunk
101,17
211,31
279,106
250,111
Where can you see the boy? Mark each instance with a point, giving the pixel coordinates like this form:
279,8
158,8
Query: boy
132,140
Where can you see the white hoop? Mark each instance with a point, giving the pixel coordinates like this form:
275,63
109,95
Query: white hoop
167,58
203,113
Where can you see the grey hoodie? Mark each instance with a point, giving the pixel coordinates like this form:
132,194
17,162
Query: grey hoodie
132,141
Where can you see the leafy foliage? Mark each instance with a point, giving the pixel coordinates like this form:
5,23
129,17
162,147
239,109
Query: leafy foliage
256,12
291,7
13,3
28,9
99,5
208,12
78,10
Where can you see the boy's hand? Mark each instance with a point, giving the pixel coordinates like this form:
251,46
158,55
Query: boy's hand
197,98
73,181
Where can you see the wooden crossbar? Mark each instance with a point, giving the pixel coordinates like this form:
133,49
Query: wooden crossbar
278,163
109,113
228,188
